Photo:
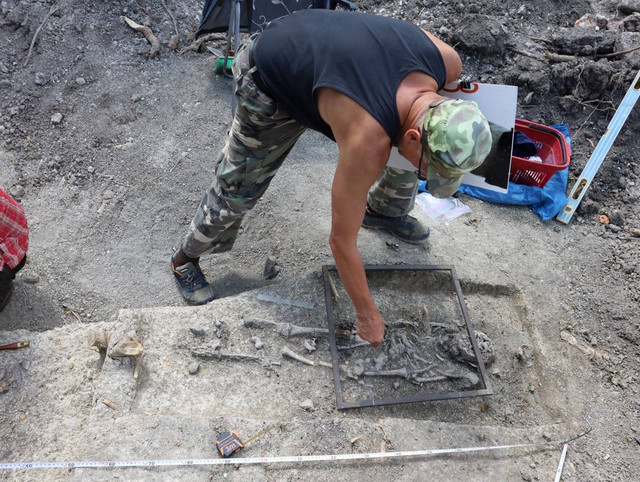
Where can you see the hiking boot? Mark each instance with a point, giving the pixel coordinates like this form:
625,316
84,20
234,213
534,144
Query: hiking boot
406,228
192,284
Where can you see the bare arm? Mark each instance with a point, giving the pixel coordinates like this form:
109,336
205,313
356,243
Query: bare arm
364,150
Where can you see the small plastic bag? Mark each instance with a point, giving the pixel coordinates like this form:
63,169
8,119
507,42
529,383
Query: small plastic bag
434,207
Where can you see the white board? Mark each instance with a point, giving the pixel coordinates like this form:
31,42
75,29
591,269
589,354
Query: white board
498,103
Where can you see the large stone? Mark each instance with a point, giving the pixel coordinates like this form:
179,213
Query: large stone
579,41
627,41
480,33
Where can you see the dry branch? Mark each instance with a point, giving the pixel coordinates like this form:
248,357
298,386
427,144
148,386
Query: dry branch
196,45
148,34
551,57
332,286
175,39
587,350
52,10
622,52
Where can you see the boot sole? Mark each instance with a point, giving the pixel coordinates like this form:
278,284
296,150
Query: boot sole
404,240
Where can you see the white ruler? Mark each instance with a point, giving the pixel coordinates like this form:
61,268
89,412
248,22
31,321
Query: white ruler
268,460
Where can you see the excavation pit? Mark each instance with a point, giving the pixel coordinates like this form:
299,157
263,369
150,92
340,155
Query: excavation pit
430,352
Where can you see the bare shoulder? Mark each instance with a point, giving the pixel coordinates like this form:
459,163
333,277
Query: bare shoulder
349,121
452,62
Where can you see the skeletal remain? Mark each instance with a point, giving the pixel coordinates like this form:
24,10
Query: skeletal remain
380,361
129,347
207,350
459,346
99,339
351,347
356,369
289,353
405,341
257,343
419,358
310,345
472,378
429,379
426,326
420,371
286,329
402,323
587,350
109,403
445,326
325,364
400,372
237,356
212,350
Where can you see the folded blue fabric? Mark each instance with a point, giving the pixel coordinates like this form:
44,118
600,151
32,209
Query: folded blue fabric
523,146
545,201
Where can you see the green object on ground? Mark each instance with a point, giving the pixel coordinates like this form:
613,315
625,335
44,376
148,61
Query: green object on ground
220,63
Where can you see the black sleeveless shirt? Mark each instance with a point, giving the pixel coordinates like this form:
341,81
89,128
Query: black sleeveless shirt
361,55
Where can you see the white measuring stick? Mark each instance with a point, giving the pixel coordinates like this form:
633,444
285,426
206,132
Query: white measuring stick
601,150
265,460
561,465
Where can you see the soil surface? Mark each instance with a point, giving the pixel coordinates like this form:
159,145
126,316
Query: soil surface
109,151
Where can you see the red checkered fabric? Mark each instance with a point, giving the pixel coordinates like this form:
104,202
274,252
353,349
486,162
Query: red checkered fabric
14,233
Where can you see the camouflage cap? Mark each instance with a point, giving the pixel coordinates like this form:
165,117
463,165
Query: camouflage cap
456,139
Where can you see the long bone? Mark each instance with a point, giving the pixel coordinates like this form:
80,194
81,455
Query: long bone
212,350
289,353
286,329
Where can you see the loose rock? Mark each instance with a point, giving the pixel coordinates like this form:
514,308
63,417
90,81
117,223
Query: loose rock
56,118
197,330
17,191
271,269
481,34
40,79
194,368
617,217
307,405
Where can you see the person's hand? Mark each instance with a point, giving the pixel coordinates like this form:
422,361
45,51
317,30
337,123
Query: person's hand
370,328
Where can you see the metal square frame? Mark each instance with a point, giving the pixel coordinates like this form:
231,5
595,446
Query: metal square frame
487,390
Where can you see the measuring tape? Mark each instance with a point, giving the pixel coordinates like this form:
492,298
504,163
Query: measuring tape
271,460
601,150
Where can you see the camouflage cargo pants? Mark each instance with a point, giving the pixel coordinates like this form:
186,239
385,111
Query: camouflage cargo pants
260,138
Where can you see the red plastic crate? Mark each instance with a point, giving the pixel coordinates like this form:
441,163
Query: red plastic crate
553,149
